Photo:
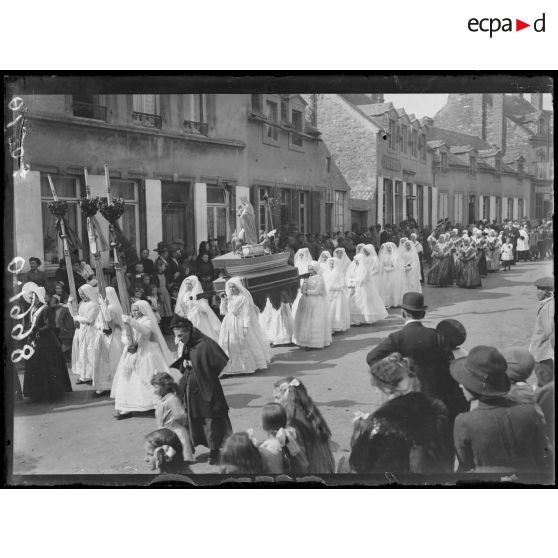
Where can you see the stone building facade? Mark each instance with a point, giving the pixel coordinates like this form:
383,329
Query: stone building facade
382,153
181,162
520,129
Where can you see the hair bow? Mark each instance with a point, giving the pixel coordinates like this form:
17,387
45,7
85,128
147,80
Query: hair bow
294,383
287,437
164,453
360,415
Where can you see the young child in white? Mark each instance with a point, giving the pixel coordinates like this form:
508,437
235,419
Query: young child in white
507,253
169,412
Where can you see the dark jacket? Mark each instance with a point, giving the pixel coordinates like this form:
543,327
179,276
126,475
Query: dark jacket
385,236
408,434
430,360
201,363
502,435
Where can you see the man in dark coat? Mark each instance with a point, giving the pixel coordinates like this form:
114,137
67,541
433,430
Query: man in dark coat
201,361
498,435
385,235
426,350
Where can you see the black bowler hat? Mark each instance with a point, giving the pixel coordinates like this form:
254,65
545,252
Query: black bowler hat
414,302
453,331
482,372
179,321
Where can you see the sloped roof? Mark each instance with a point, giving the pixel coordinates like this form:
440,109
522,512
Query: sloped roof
357,98
456,149
485,153
451,138
376,109
518,106
435,143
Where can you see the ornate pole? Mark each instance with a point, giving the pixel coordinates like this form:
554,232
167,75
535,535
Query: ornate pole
63,235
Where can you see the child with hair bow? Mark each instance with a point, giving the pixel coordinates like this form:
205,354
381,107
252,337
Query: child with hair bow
280,452
164,452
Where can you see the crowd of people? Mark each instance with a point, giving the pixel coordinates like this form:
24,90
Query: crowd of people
345,280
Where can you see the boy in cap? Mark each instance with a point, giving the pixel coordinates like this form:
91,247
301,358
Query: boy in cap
542,342
498,435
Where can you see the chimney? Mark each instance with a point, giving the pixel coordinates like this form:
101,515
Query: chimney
478,124
313,110
537,100
499,121
376,98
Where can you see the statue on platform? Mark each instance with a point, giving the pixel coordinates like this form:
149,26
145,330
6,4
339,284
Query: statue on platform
248,233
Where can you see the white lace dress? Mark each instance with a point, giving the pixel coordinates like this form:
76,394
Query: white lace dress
312,324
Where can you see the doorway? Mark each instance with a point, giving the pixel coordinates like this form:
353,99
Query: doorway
471,212
177,213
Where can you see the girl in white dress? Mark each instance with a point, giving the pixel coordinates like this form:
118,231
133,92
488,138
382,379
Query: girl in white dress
410,264
365,303
277,325
323,259
241,336
86,336
338,296
145,353
311,324
341,255
110,347
197,310
302,259
391,280
374,264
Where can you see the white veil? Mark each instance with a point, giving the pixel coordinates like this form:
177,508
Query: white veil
385,255
302,259
114,306
344,259
196,290
334,277
145,309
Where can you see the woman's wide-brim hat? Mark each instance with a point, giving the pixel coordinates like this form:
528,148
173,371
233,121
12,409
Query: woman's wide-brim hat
482,372
29,288
162,247
454,331
414,302
545,283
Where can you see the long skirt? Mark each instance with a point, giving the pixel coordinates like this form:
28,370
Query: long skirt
482,265
469,277
439,273
210,432
46,375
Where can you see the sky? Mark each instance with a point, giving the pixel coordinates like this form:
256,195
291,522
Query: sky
428,104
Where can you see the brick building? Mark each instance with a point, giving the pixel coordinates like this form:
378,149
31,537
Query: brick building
522,131
180,161
382,153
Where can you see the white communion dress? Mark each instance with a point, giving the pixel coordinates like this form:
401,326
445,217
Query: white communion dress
197,310
241,336
365,303
338,296
312,325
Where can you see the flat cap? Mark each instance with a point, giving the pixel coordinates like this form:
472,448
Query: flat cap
545,283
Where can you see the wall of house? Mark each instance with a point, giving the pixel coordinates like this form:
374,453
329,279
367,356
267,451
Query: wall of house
457,180
352,141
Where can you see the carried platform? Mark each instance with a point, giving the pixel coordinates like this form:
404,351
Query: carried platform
264,275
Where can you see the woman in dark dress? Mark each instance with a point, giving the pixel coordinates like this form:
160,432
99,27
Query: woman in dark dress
46,374
205,271
201,361
410,433
439,274
468,276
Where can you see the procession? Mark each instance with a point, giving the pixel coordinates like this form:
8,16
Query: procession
409,344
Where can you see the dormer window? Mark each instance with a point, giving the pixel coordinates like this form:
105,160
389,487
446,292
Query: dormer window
392,134
285,108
